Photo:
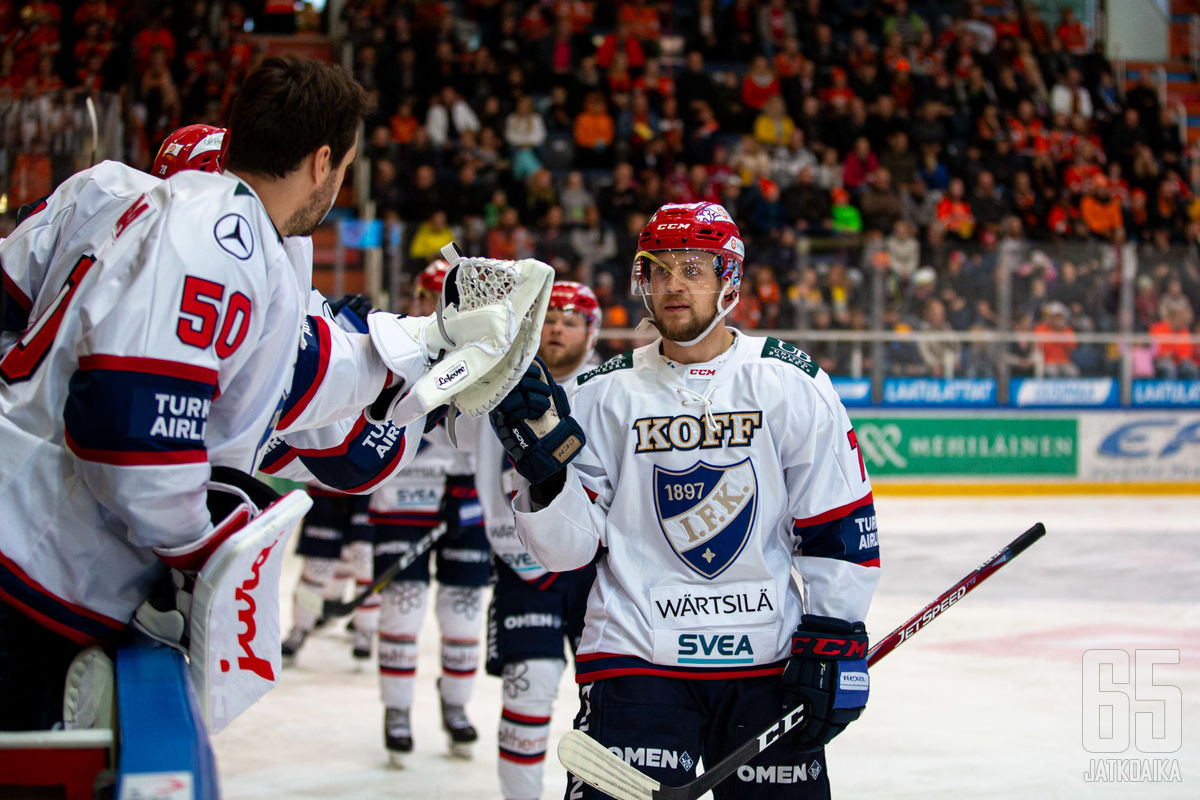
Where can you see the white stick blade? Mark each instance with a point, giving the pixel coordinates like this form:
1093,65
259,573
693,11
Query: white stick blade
599,768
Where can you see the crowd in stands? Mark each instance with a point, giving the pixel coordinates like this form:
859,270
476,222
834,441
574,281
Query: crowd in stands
933,144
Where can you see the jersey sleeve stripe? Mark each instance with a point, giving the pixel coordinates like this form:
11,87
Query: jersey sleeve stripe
836,513
75,622
278,458
851,536
137,412
16,305
412,519
363,461
131,459
151,366
312,363
338,449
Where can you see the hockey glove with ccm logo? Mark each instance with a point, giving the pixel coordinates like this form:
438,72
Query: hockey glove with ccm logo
828,673
535,426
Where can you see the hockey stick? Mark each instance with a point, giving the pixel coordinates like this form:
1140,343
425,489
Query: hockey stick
596,766
420,547
95,126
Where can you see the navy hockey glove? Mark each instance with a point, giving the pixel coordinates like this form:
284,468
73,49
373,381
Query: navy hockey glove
828,673
351,311
535,426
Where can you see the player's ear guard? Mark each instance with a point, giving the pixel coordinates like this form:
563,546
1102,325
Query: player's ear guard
535,427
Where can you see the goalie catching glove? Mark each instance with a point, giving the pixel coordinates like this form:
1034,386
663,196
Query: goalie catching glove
828,673
478,344
535,427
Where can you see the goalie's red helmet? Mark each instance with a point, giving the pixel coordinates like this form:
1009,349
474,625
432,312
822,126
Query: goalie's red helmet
693,226
572,296
433,277
201,147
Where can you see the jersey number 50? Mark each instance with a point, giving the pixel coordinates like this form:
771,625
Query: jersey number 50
201,309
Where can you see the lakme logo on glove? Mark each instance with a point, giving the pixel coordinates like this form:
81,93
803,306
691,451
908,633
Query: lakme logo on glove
706,512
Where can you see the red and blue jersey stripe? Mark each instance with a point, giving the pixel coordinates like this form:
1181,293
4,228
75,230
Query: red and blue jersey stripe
134,411
846,533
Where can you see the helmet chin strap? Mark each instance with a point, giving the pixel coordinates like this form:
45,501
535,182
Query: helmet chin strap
650,321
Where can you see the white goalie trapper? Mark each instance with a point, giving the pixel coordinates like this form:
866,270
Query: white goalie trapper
491,318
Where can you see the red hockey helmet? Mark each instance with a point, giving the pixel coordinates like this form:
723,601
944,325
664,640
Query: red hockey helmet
692,226
201,147
572,296
433,277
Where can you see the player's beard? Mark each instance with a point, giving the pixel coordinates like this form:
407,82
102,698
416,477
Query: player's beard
687,328
567,359
306,219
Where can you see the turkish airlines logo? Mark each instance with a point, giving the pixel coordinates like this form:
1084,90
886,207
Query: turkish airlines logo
234,235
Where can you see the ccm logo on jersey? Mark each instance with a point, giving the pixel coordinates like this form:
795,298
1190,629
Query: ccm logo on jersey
685,432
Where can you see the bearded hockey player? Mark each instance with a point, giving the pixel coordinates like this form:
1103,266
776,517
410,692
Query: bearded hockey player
714,463
533,611
167,352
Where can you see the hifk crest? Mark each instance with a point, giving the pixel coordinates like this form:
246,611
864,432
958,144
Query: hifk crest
707,512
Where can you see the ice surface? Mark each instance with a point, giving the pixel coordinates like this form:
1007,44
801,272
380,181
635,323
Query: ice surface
985,703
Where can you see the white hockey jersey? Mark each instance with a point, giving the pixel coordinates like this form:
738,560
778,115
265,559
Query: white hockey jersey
413,496
704,484
81,211
349,454
169,350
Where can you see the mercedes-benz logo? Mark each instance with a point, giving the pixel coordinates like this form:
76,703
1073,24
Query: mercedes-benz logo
234,235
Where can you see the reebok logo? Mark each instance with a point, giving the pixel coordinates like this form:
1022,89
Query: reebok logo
455,374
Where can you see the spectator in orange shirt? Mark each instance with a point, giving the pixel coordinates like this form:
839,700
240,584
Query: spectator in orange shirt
1056,355
1174,352
953,212
594,132
1101,211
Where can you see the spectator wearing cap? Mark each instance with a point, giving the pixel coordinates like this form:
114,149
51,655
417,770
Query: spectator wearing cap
1056,352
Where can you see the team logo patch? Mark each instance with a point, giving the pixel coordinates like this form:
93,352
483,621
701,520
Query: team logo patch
706,512
234,235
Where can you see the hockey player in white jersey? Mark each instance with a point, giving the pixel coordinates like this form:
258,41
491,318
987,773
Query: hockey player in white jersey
84,208
168,351
533,610
437,488
714,463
